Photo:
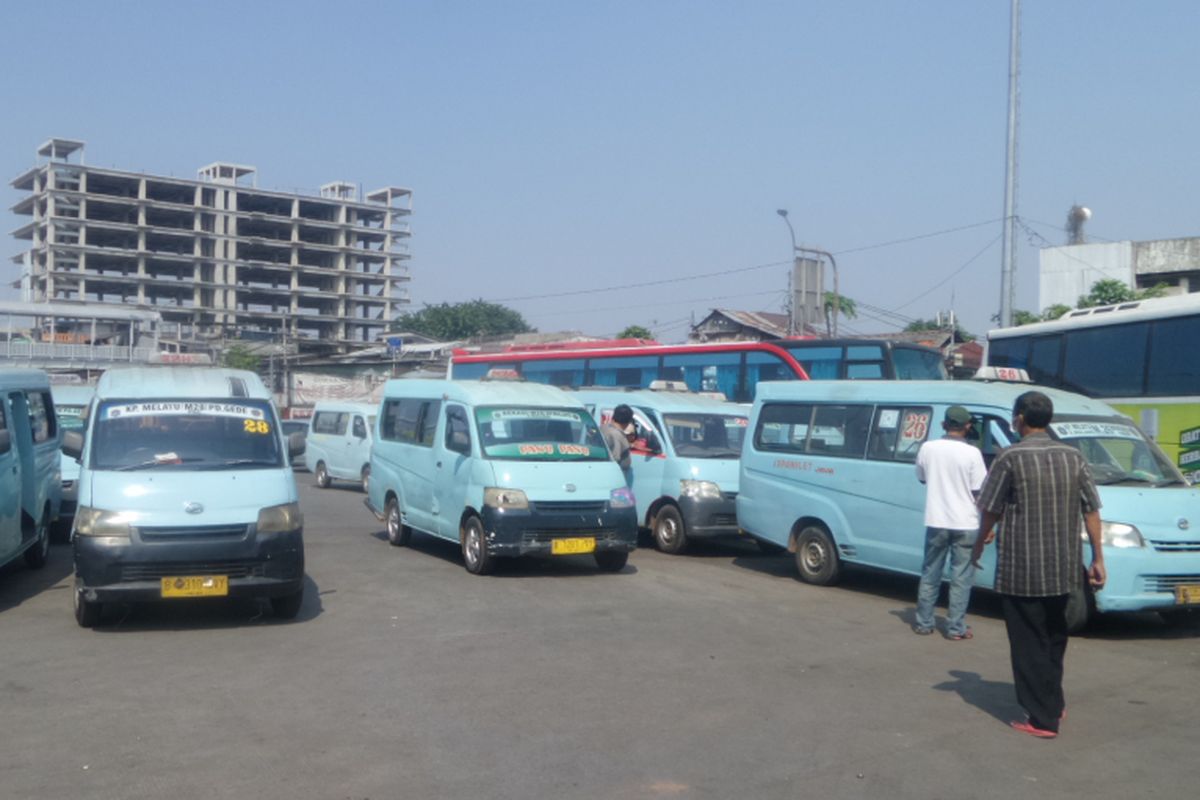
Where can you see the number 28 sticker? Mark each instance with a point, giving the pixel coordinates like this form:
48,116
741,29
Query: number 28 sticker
255,426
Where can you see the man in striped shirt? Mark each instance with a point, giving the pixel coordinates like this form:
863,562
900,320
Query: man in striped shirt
1042,489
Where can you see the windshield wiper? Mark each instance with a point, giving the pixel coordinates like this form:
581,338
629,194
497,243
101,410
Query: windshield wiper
245,462
1171,482
154,463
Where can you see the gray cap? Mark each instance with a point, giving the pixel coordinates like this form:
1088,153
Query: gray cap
957,416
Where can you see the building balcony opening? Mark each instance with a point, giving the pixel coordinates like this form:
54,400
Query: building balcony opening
264,204
163,218
113,239
113,185
100,211
323,212
163,192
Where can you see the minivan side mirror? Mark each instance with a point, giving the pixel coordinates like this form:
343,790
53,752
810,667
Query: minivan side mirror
460,442
296,444
72,444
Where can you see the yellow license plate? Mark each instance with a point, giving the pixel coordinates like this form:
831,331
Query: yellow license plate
1188,594
570,547
196,586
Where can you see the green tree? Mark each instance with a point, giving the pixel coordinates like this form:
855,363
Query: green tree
1107,292
449,321
1055,311
238,356
921,325
1023,317
845,307
635,332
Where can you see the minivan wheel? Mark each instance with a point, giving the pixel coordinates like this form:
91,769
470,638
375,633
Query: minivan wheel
476,557
87,614
612,560
365,477
397,532
322,475
816,556
35,557
288,606
669,533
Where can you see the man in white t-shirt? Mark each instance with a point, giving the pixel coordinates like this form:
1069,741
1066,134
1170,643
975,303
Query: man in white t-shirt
952,470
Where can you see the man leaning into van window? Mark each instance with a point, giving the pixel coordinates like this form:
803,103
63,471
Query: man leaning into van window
953,472
616,436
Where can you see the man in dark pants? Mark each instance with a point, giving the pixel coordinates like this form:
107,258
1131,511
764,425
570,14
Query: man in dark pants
1041,488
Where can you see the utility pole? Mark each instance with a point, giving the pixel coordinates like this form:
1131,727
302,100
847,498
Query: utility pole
1008,255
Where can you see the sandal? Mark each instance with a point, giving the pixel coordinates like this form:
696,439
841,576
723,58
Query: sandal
920,631
958,637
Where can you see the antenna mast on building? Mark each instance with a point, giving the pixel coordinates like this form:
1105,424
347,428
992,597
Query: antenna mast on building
1008,254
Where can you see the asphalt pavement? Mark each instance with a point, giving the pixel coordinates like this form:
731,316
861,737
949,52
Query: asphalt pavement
709,675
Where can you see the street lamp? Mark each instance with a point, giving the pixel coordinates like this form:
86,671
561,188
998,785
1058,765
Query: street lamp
810,251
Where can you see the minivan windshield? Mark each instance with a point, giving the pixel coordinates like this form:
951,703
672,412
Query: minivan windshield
192,434
706,435
1116,451
540,434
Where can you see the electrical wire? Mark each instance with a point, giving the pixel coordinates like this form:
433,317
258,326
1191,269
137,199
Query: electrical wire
943,281
919,237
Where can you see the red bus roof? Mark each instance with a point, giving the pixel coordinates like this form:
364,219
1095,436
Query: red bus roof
599,349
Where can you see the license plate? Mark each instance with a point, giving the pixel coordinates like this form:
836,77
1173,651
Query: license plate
196,586
1188,594
570,547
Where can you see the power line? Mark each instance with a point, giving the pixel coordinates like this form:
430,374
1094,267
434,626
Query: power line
940,283
920,237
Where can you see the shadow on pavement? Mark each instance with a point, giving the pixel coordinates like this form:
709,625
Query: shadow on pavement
995,698
523,567
19,583
216,613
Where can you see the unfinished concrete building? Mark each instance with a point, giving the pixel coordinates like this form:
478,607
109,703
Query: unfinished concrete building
216,256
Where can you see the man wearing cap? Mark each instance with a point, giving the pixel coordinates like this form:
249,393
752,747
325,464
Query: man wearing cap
616,436
953,472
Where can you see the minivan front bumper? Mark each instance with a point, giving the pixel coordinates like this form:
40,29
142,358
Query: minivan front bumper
709,516
111,569
528,532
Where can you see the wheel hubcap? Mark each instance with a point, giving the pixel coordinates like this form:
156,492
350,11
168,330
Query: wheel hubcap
667,530
394,522
473,545
814,556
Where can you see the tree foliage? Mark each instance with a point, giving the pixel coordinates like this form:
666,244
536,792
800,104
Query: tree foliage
1107,292
845,307
450,321
922,325
238,356
635,332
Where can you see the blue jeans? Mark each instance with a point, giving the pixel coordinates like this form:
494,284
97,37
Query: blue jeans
940,542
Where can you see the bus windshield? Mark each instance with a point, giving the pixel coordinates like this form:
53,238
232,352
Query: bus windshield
706,435
1116,451
540,434
185,435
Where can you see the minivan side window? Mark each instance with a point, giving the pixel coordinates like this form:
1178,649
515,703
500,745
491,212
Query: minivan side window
783,427
41,416
429,420
360,427
5,442
330,422
457,427
840,430
899,432
410,419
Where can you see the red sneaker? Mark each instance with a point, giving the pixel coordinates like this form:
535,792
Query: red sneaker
1025,726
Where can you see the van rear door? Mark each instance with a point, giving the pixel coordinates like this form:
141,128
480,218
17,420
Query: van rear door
10,488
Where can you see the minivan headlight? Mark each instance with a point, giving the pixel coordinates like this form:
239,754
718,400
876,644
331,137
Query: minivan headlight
505,499
700,490
280,519
1118,534
100,522
621,498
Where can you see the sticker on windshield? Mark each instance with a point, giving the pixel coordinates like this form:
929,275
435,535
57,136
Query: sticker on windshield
498,414
1095,430
177,408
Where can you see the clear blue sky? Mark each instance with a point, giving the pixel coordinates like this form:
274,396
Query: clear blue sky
555,147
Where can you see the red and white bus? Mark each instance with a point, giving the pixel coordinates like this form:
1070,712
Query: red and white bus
731,368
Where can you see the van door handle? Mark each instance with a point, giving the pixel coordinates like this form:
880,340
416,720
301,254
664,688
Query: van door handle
439,465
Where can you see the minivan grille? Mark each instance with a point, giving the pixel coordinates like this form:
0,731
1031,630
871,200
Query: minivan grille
1176,547
1167,583
570,506
157,533
153,572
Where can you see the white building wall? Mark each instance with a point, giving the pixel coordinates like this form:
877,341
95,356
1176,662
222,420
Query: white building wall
1067,272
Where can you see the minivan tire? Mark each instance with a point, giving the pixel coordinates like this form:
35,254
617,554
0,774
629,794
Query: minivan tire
287,606
365,476
612,560
476,557
397,532
322,475
816,556
87,613
35,557
670,534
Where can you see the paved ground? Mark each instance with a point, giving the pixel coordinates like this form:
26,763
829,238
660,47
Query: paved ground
714,675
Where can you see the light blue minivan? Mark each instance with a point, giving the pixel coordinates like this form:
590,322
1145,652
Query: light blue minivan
30,480
339,443
71,402
501,469
685,460
827,472
185,490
